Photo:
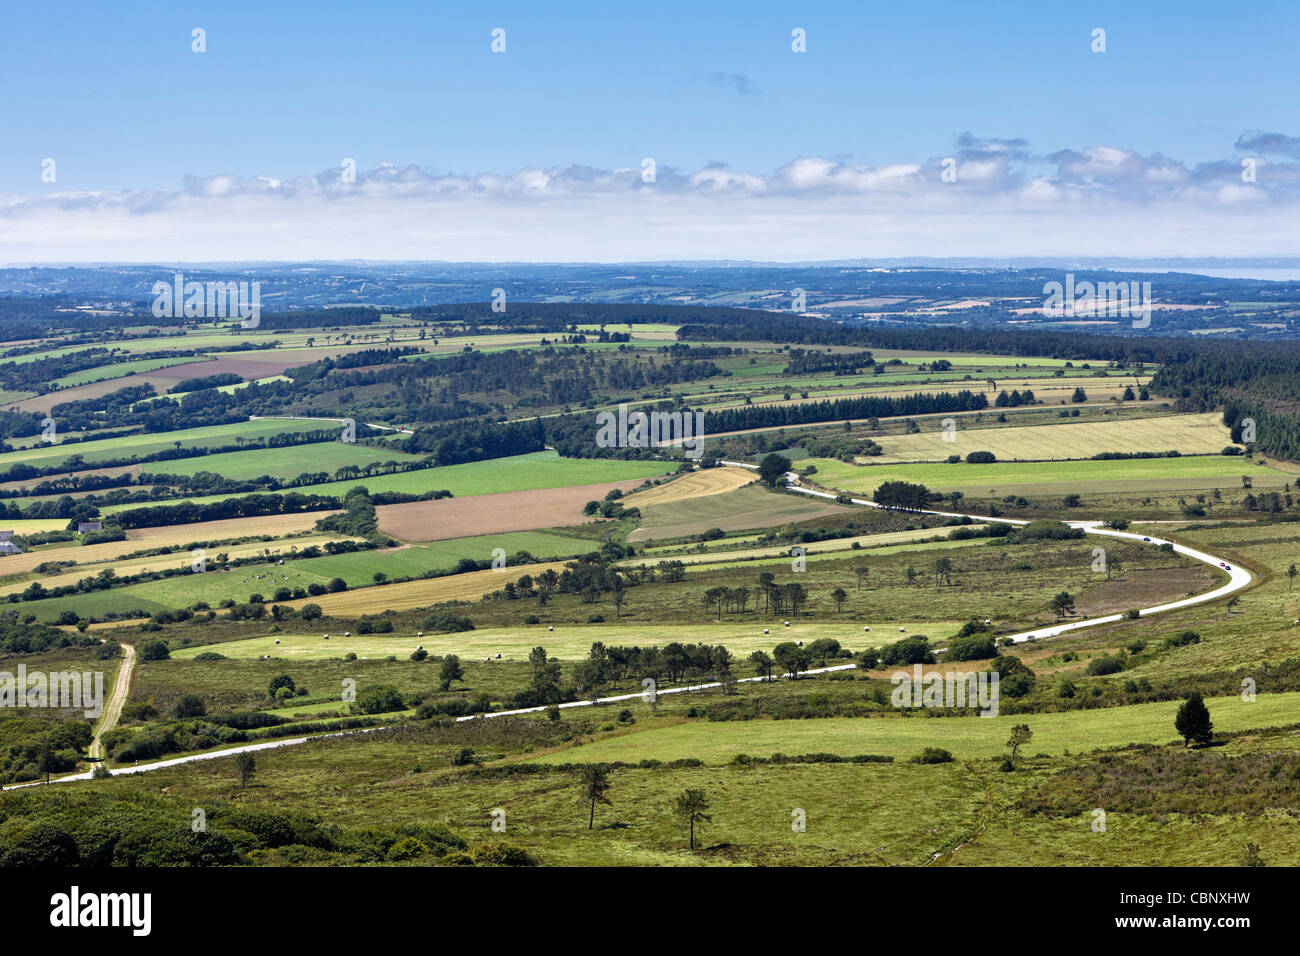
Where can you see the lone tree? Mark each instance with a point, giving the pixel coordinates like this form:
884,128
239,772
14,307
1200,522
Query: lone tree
763,663
862,574
839,596
595,782
245,766
1193,721
792,658
451,670
1020,735
693,807
1290,573
772,470
942,571
1063,604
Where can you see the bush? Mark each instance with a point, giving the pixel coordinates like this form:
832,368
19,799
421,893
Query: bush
502,854
972,648
406,848
154,650
139,710
445,622
933,755
910,650
419,654
981,458
309,612
464,757
279,681
380,699
189,705
1106,664
1183,639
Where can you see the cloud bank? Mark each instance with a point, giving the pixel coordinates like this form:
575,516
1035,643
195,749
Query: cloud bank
989,197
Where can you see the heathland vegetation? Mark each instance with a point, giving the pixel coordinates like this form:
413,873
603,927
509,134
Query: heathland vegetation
397,534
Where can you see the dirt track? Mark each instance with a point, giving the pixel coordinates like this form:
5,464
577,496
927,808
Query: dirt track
113,709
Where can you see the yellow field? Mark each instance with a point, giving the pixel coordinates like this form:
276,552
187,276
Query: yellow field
159,562
412,594
169,536
274,525
1048,390
866,541
697,484
567,641
1190,434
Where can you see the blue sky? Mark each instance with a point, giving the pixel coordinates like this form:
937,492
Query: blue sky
114,94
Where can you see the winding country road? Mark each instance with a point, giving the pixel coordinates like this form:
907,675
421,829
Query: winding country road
1238,578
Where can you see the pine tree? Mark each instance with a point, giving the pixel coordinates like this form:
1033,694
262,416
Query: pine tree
1193,721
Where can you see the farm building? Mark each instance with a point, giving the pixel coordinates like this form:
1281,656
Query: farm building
84,526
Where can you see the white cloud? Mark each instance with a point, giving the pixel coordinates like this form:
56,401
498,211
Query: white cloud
1097,200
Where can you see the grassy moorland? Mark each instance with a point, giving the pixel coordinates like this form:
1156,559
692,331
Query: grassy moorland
654,583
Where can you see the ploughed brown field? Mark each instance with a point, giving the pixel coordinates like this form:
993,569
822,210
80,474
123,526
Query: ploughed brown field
493,514
161,379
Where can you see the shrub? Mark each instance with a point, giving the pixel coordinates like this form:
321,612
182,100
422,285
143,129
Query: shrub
1106,664
910,650
189,705
464,757
380,699
406,848
972,648
445,622
154,650
278,681
502,854
933,755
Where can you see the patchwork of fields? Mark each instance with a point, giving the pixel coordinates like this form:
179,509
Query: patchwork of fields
681,576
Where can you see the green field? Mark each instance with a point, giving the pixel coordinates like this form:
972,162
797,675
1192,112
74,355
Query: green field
144,443
120,370
1052,477
543,469
288,462
965,737
356,568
